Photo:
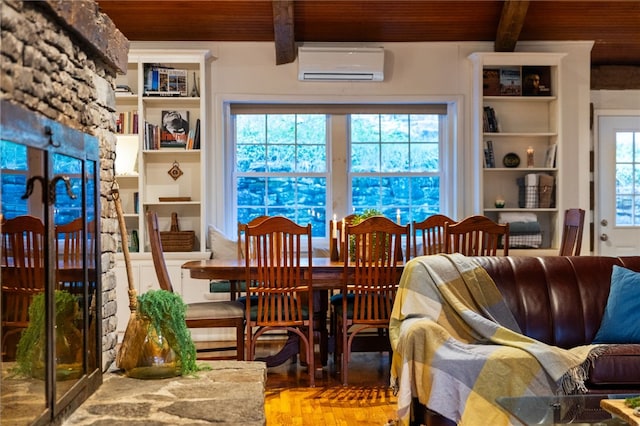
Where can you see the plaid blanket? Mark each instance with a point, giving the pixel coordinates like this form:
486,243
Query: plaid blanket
457,346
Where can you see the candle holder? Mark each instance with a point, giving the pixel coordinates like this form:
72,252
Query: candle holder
334,253
529,157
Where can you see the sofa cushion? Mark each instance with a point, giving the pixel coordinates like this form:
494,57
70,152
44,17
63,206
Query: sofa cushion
619,365
622,312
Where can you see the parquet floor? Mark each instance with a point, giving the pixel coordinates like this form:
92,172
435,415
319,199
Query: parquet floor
366,401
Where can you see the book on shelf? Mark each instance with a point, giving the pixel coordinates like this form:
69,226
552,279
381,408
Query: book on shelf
162,93
489,155
123,88
127,122
489,120
510,81
491,82
196,135
151,136
536,81
175,126
550,156
173,145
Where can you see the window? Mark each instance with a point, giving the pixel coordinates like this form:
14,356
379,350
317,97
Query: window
17,160
308,162
14,174
281,167
627,178
395,164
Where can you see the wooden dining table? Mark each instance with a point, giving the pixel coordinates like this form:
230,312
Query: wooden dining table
326,275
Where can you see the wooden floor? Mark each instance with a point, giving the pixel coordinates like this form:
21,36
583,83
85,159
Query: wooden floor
366,401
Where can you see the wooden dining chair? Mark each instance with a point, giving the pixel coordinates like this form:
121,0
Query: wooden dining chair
374,247
211,314
23,275
70,248
279,286
235,288
428,235
571,242
477,236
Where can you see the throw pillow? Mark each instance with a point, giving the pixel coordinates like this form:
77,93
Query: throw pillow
221,246
621,319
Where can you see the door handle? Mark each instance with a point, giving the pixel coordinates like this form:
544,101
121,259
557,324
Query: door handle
604,222
604,237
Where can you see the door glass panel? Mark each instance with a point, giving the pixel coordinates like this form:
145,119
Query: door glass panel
70,247
22,388
627,178
93,340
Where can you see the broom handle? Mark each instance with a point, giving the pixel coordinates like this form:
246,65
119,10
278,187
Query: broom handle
125,249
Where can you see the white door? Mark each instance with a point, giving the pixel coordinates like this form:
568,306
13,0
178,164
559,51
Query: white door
617,229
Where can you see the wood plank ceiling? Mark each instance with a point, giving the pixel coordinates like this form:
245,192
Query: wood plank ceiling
614,26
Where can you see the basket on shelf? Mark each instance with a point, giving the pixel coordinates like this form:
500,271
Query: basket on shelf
176,240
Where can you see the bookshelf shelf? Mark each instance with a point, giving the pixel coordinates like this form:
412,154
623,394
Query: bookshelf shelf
151,180
526,129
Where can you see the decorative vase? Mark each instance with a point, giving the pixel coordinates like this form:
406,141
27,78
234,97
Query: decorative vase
157,359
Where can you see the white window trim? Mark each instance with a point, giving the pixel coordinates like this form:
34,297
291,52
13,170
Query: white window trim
221,158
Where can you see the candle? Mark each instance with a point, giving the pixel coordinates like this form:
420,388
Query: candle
344,230
398,216
334,230
529,157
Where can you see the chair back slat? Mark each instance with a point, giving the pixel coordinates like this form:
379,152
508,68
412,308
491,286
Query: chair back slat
428,235
477,236
280,282
375,251
571,242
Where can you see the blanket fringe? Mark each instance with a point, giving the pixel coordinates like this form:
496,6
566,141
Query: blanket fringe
572,382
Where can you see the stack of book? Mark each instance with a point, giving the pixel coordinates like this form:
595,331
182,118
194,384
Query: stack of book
127,122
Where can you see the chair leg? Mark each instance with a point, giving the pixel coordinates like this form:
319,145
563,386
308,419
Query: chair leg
249,344
311,353
240,341
345,354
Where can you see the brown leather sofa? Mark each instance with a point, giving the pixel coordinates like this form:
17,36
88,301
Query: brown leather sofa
560,300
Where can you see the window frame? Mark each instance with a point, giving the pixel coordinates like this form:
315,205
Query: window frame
222,205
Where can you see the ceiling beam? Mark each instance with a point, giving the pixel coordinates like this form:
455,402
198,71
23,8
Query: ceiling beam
510,25
284,36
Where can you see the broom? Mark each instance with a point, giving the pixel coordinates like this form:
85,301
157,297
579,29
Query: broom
136,331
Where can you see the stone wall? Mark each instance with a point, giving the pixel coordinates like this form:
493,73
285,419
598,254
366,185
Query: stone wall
60,59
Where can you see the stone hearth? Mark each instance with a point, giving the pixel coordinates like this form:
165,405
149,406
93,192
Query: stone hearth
231,393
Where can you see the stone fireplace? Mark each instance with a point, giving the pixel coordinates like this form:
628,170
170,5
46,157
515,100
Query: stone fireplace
59,62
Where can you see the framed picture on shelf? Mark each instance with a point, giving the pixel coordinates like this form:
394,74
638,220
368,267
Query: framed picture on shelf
550,156
491,82
174,128
510,81
536,81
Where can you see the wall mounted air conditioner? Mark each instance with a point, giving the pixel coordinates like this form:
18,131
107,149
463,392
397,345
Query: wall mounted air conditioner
338,63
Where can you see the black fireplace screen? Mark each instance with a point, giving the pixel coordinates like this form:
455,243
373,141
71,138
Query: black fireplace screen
51,293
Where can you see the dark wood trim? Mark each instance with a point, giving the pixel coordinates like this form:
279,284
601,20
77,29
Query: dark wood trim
510,25
615,77
283,31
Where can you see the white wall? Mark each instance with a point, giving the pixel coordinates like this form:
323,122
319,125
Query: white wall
437,72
